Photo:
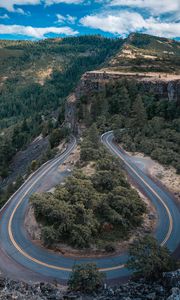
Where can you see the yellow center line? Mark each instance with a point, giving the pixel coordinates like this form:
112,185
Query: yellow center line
25,254
153,191
13,213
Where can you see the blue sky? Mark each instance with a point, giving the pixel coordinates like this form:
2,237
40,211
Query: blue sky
38,19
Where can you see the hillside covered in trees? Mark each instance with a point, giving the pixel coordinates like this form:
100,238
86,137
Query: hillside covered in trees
35,79
141,122
36,76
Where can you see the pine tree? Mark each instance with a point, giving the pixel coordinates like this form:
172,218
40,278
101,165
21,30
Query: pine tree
139,116
93,135
124,102
120,102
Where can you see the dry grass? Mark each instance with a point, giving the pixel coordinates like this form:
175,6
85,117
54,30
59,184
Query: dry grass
71,161
166,175
43,74
89,169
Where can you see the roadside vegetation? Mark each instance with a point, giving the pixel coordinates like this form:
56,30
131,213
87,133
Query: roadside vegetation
28,107
88,211
149,260
20,136
86,278
150,125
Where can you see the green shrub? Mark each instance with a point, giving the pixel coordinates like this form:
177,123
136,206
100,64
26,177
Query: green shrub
148,259
110,248
82,211
86,278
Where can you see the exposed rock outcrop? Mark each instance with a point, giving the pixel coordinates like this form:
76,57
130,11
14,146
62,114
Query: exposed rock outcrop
166,289
162,85
23,159
70,113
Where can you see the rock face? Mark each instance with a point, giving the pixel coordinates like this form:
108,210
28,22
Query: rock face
167,289
162,87
22,291
23,159
167,87
70,113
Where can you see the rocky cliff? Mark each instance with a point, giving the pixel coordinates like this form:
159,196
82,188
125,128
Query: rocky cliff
70,113
162,85
166,289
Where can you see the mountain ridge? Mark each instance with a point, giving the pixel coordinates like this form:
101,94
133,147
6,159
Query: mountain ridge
146,53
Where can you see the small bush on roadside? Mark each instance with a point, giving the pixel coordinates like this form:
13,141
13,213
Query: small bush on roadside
148,259
86,278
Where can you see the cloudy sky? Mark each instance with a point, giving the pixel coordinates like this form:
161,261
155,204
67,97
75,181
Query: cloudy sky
37,19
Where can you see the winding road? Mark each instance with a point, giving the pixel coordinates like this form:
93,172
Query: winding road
21,258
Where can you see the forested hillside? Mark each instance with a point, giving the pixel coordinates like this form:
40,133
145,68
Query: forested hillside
140,120
35,78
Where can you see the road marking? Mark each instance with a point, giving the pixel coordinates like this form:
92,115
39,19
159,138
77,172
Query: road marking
151,189
16,207
25,254
69,269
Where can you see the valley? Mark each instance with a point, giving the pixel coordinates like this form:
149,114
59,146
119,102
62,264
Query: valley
77,117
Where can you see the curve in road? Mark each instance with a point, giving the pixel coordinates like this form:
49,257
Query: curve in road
15,242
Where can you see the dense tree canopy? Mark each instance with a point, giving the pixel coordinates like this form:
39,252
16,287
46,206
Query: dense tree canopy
90,208
25,103
150,125
148,259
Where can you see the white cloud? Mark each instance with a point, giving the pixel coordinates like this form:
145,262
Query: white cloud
5,16
22,12
50,2
71,19
155,6
10,5
121,23
60,18
169,30
125,22
35,31
63,19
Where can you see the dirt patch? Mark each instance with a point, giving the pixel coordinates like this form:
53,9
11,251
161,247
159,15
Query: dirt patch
32,227
89,169
71,161
2,80
43,74
166,175
133,54
61,146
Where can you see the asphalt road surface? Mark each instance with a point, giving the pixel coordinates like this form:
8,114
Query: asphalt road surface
21,258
